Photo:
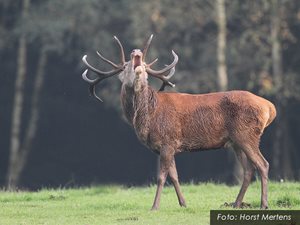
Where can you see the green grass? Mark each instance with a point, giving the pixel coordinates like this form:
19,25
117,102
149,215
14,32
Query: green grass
120,205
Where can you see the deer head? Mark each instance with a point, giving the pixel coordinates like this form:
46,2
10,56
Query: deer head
126,69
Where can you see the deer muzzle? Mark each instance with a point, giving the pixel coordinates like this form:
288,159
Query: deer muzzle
136,58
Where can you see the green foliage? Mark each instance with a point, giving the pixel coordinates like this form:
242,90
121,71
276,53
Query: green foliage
120,205
72,28
68,26
192,35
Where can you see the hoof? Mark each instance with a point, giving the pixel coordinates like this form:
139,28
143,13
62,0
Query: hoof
226,204
154,208
264,207
245,205
242,205
182,204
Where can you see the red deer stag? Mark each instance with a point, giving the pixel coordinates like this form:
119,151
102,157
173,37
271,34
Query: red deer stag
171,123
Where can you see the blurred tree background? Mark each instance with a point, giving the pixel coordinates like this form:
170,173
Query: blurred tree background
53,134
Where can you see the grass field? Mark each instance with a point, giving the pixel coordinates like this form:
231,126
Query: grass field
120,205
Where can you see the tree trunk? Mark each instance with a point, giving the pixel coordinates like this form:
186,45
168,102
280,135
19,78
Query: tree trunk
222,80
20,158
281,121
34,113
18,104
221,46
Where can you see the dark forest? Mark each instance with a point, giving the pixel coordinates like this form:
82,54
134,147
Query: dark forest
53,134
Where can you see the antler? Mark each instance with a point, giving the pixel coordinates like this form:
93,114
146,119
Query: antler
101,74
164,74
146,47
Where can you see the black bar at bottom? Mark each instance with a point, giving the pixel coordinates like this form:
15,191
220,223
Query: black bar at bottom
255,217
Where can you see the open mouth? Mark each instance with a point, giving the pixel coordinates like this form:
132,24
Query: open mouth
137,61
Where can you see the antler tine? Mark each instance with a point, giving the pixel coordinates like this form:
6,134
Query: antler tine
169,67
99,72
171,73
92,91
161,74
154,61
146,47
92,83
166,82
122,50
108,61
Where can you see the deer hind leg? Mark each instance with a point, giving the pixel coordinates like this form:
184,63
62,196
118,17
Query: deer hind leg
253,153
248,173
174,177
165,161
264,171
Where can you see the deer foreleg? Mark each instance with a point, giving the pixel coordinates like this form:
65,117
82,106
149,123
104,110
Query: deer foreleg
174,177
164,165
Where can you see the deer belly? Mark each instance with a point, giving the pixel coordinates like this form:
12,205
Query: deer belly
211,138
197,144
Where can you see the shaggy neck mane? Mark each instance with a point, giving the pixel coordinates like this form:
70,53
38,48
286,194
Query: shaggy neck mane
138,106
144,102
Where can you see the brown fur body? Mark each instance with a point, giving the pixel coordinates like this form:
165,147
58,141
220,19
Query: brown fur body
195,122
170,123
